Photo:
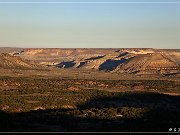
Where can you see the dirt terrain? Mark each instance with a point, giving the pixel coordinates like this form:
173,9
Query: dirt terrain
89,89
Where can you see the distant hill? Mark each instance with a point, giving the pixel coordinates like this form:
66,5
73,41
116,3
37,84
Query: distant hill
151,63
8,61
10,50
139,61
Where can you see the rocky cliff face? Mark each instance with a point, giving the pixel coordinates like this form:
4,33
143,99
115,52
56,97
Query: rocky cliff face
132,61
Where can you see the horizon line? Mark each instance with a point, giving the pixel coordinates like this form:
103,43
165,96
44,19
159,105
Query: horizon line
54,2
91,48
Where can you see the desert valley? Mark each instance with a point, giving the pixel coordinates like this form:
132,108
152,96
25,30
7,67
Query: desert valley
86,89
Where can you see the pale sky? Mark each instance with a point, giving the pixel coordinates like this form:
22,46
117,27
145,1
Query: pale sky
90,25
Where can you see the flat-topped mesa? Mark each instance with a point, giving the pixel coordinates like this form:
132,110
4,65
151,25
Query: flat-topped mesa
145,63
119,60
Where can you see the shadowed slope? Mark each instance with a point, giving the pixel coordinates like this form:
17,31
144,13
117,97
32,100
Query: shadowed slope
110,65
128,112
150,64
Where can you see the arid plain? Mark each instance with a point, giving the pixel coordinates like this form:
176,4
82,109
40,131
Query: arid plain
119,89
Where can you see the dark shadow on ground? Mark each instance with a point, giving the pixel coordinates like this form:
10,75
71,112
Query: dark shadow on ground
130,112
67,64
81,64
111,64
95,58
122,54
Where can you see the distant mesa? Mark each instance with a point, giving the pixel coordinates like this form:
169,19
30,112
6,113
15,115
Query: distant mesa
138,61
8,61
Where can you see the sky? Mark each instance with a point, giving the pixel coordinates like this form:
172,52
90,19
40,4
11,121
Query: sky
90,25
